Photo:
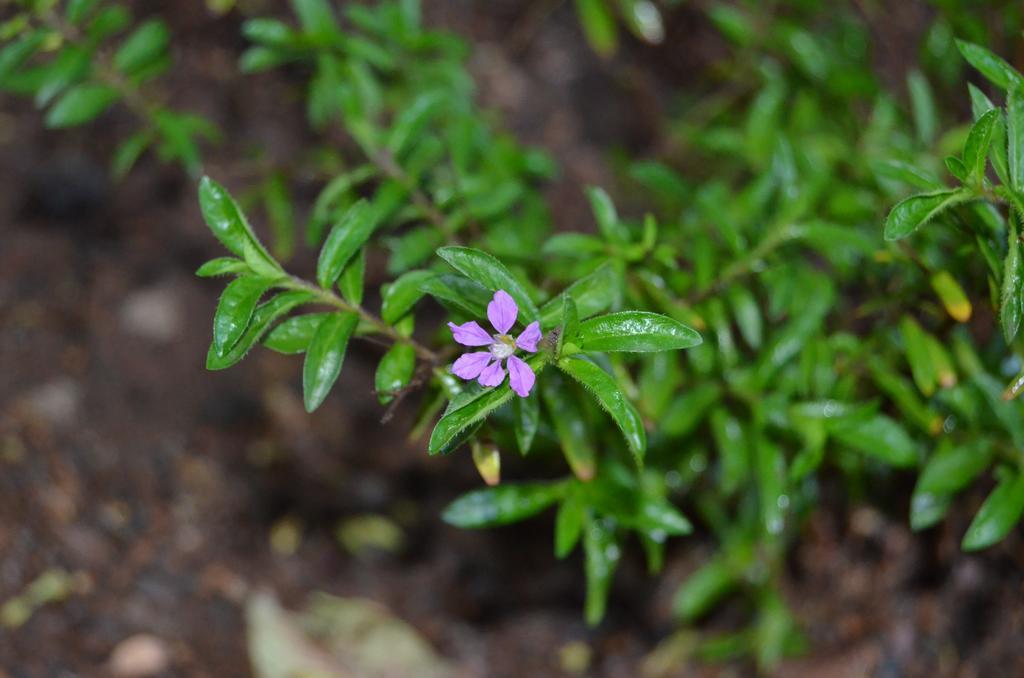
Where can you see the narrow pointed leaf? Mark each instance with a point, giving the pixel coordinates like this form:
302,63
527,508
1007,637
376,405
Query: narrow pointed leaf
501,505
264,316
344,241
293,336
492,274
324,357
235,310
636,331
607,393
914,212
997,516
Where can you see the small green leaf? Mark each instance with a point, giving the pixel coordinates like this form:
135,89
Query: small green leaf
235,309
747,313
703,589
598,26
601,557
474,411
225,218
345,239
81,104
265,314
991,66
568,334
997,516
78,10
324,357
351,282
129,152
977,146
606,391
412,120
395,371
919,355
636,331
526,415
222,266
293,336
1015,136
922,105
606,216
458,292
146,44
914,212
569,524
1010,302
501,505
880,437
953,467
400,296
492,274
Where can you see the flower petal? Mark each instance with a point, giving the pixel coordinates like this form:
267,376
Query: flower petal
470,334
492,374
502,312
470,365
520,377
529,337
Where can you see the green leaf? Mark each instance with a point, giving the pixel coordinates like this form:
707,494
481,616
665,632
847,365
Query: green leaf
601,557
235,310
474,411
129,152
568,335
293,336
703,589
400,296
919,355
592,294
598,26
880,437
225,218
492,274
687,411
77,10
146,44
324,357
997,516
351,282
413,119
914,212
459,292
733,449
80,104
1015,136
991,66
922,105
606,216
636,331
953,467
1010,302
395,371
315,16
345,239
748,315
501,505
606,391
526,415
21,50
573,245
222,266
265,314
569,524
978,143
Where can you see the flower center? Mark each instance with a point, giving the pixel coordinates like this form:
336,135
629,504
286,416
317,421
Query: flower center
503,347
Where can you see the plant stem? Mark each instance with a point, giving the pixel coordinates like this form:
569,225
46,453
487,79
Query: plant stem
331,299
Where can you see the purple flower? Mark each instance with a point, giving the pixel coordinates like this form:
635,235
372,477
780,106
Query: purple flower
485,366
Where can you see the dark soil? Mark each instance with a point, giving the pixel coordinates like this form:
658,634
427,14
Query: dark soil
156,484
